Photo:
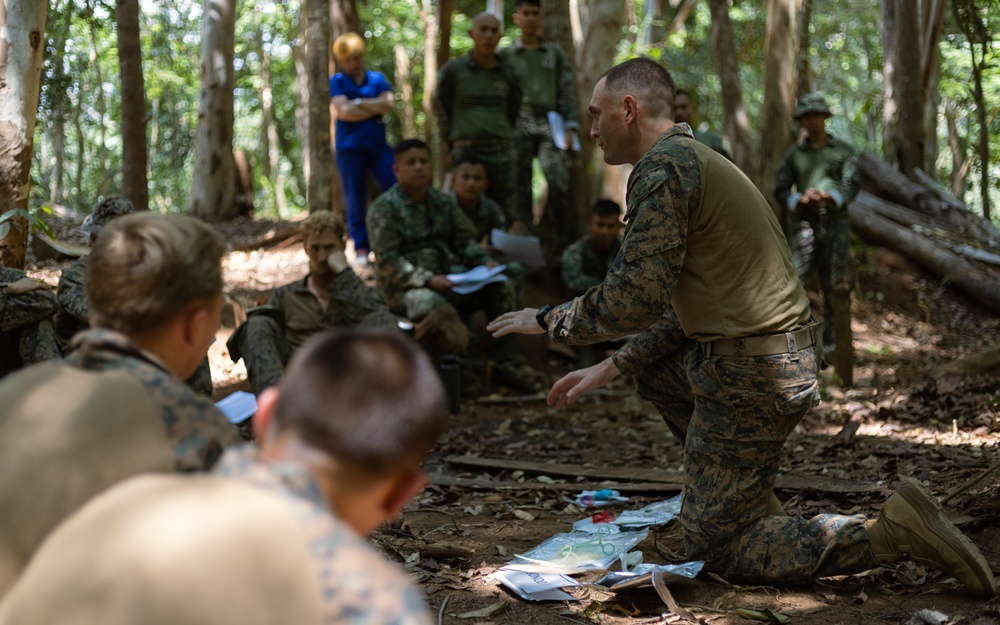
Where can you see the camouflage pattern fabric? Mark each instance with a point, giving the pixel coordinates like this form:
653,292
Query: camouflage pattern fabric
73,316
358,585
733,414
732,452
414,242
487,216
533,138
27,334
198,432
820,240
499,159
584,267
271,333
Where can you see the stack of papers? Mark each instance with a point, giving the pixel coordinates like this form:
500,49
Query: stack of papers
536,586
475,279
518,248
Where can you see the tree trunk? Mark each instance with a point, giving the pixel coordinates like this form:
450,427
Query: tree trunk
683,11
102,145
22,44
960,163
212,186
301,87
597,54
405,84
654,30
909,87
344,18
983,145
804,71
321,164
782,44
444,9
890,125
58,139
429,17
930,62
269,154
81,150
736,123
959,272
133,92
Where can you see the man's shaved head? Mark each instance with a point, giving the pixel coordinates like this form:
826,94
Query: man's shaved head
647,81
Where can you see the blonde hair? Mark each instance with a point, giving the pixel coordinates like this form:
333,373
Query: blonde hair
145,268
323,221
347,45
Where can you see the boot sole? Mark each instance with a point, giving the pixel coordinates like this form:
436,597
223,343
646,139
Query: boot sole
929,510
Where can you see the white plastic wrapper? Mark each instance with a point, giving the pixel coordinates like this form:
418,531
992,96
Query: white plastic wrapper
656,513
579,551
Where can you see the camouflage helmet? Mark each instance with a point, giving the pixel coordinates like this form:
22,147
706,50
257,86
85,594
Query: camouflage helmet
811,103
107,210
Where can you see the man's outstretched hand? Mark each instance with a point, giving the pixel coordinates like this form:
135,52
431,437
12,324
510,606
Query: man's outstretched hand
516,322
569,388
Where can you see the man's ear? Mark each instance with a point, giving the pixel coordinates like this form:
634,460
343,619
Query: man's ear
194,318
265,412
631,107
406,487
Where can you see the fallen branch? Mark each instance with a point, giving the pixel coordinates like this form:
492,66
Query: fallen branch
970,483
783,482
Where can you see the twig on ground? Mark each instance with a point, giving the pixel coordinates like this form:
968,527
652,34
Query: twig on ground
970,483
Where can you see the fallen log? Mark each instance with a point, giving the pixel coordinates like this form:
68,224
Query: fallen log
783,482
970,279
885,181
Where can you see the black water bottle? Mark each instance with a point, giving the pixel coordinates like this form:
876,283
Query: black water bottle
451,375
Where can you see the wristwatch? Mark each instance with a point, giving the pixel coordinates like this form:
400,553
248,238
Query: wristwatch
540,316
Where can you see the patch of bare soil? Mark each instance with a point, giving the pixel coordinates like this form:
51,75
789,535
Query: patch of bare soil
900,419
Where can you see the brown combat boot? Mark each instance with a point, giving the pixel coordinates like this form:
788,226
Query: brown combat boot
912,525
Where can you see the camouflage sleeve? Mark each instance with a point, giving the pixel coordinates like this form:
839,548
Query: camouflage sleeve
650,345
465,242
641,282
783,182
71,292
850,184
444,93
566,102
514,95
351,297
385,224
18,311
574,277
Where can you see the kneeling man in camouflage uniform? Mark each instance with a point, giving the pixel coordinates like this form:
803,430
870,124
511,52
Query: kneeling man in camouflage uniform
726,351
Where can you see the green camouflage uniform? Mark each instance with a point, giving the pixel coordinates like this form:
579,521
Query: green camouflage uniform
487,217
414,242
820,240
703,261
292,315
547,82
74,316
584,267
712,140
359,586
477,109
27,334
198,431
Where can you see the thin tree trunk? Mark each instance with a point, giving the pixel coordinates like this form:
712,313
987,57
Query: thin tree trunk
909,87
22,44
444,8
301,87
680,18
321,166
804,82
270,155
654,31
405,84
58,140
779,92
960,163
736,122
890,125
930,63
133,93
81,150
429,17
102,145
212,186
983,145
154,133
344,18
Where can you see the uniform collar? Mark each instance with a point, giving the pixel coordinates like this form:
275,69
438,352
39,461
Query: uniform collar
244,463
95,344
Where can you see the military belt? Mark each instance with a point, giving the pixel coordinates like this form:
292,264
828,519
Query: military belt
769,345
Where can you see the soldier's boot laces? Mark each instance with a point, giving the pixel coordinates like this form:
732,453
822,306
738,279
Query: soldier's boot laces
912,525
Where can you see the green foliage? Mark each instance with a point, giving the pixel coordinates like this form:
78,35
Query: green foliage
843,46
9,218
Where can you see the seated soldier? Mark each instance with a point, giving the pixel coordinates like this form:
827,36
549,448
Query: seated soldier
330,295
27,335
470,182
279,534
419,236
586,262
116,405
74,310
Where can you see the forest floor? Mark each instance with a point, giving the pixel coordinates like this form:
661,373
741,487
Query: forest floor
912,420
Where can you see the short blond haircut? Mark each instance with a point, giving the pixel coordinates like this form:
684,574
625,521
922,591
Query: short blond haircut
347,45
323,221
146,268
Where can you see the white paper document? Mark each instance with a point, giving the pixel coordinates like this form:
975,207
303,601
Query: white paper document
238,407
476,278
518,248
536,586
558,127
